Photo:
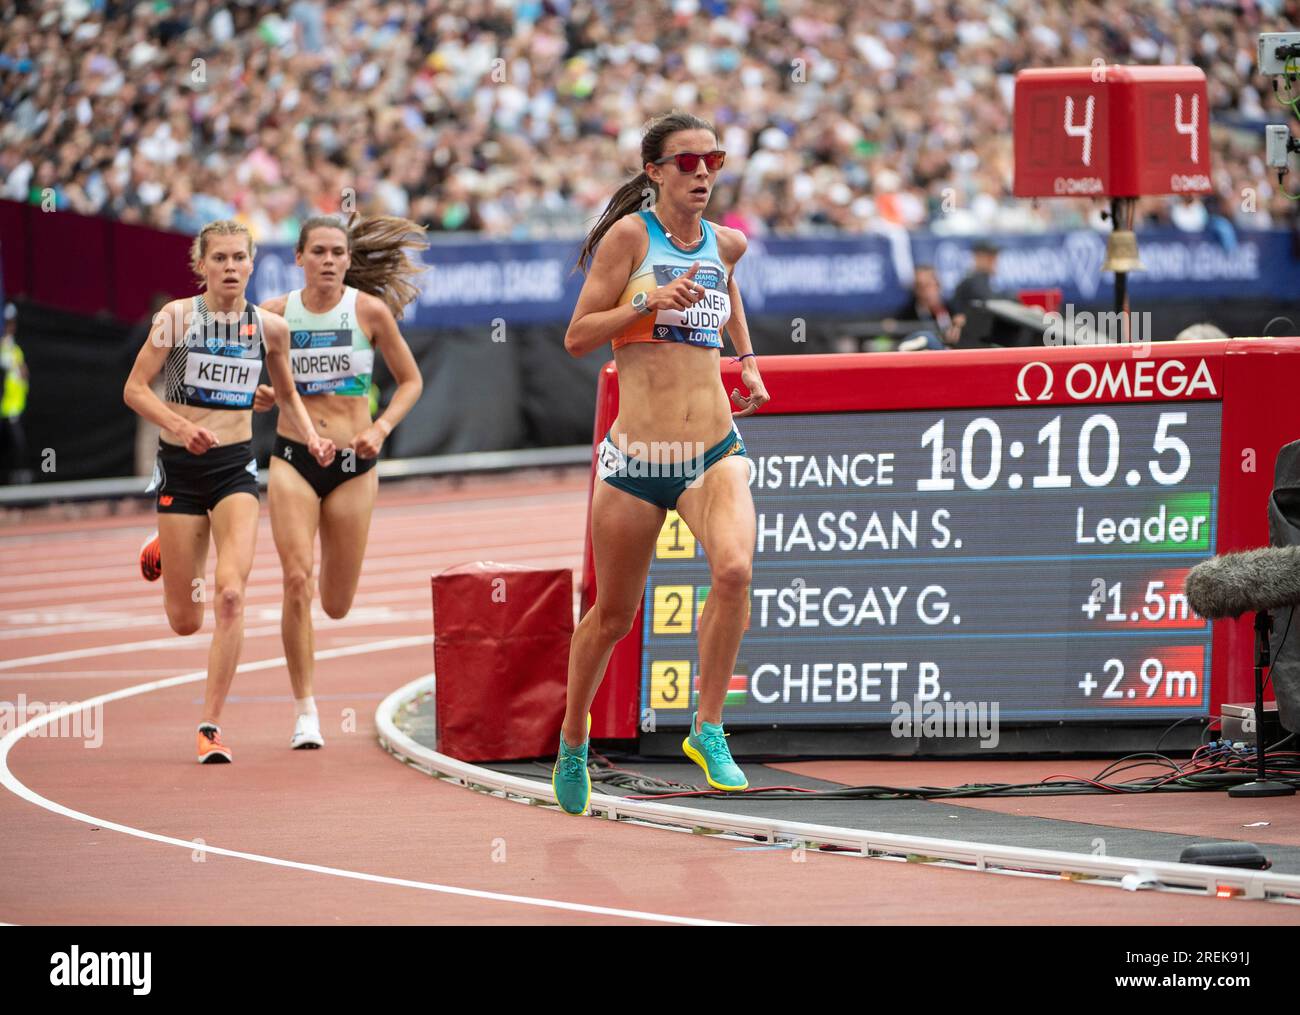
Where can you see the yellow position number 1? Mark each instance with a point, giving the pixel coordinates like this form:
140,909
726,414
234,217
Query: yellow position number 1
676,541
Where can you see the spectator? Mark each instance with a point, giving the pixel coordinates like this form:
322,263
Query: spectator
840,115
982,328
937,328
13,401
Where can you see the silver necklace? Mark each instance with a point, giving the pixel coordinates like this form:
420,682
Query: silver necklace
678,242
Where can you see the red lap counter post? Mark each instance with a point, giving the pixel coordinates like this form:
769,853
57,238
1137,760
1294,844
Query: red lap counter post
1107,131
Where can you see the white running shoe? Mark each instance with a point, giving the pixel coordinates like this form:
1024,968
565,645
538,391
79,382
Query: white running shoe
306,733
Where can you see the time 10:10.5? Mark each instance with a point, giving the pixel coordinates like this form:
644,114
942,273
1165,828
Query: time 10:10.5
1098,454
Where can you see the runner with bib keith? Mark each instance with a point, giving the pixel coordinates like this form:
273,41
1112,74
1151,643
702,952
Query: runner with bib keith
209,350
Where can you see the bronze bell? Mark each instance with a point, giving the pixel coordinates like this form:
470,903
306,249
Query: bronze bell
1122,252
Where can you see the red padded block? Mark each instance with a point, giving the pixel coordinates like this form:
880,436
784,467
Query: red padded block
501,654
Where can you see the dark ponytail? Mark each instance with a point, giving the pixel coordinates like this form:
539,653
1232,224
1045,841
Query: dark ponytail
634,193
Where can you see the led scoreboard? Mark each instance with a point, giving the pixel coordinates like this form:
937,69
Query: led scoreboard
1008,527
909,554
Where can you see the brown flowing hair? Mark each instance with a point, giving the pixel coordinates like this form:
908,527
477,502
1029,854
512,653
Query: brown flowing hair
627,198
381,250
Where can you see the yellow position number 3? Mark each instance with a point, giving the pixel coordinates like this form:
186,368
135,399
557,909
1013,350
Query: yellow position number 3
670,683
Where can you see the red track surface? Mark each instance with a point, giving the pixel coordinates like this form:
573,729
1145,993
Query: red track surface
76,620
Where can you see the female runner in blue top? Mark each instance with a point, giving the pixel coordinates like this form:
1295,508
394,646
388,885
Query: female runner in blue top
661,289
209,350
357,278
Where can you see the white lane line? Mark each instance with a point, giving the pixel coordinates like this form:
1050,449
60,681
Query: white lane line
133,671
269,570
399,510
20,789
262,599
402,568
366,609
434,556
85,653
448,538
174,641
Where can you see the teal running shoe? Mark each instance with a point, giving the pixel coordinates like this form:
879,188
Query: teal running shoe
569,778
708,749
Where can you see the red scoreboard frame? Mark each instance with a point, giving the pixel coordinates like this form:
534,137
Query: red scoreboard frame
1255,380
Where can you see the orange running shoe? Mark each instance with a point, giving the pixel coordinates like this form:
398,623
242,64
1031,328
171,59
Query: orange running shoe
151,559
211,749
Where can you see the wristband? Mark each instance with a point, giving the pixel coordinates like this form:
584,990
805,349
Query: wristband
737,359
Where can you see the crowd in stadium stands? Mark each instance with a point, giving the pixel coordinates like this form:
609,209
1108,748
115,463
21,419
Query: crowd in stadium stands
519,118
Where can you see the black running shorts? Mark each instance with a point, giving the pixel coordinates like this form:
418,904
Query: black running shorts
188,484
347,465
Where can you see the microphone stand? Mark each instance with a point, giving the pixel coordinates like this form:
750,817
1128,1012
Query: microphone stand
1261,786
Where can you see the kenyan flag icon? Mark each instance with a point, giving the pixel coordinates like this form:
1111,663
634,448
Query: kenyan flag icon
737,689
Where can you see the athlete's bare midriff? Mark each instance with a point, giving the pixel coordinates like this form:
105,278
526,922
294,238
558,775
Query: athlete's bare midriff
672,393
231,426
336,417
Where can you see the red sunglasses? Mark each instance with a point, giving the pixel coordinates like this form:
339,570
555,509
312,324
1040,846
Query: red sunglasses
687,161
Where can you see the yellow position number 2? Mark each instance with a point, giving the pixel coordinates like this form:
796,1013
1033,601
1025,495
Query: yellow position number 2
674,607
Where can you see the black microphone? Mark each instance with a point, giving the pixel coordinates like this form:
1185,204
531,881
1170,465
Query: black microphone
1252,581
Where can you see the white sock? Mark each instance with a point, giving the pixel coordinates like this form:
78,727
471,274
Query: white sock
304,706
